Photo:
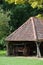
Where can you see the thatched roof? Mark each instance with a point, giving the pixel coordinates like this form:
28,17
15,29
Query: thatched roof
31,30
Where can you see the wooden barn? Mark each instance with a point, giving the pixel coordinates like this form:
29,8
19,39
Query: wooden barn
27,40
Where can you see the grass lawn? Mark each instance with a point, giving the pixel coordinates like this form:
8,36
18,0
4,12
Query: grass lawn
4,60
20,61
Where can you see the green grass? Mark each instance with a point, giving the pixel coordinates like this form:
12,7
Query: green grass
2,52
20,61
4,60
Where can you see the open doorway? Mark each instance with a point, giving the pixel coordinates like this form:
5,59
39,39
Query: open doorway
41,48
25,49
31,49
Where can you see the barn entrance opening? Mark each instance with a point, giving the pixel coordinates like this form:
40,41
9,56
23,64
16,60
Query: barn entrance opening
25,49
41,48
31,49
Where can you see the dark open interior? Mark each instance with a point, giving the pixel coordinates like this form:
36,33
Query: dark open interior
22,48
41,48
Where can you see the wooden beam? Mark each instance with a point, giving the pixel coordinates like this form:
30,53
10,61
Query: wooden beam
38,50
7,45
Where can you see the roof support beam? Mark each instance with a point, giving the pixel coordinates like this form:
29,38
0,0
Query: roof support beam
38,50
34,28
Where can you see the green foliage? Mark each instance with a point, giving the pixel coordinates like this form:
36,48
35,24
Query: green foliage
36,3
3,24
10,1
16,1
4,27
2,52
19,15
40,16
7,7
2,43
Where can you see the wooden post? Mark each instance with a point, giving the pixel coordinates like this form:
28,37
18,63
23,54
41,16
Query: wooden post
7,49
38,50
25,50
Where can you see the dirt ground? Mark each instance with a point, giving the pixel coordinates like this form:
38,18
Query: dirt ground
30,57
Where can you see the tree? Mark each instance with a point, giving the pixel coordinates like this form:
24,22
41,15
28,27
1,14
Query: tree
1,1
17,1
4,27
38,3
19,15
